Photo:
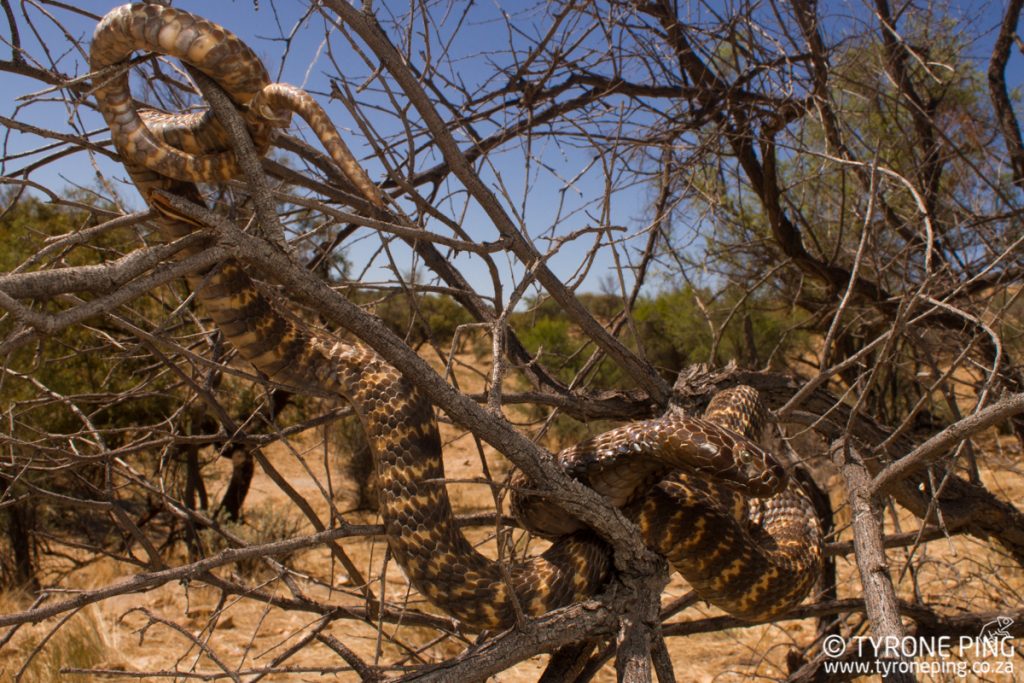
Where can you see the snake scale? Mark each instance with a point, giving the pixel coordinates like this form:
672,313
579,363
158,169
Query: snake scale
701,490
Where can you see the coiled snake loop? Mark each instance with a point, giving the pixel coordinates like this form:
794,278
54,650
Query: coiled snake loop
722,510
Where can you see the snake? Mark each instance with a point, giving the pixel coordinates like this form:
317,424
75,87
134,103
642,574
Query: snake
702,491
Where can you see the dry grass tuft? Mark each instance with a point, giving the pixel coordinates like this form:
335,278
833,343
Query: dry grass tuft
47,652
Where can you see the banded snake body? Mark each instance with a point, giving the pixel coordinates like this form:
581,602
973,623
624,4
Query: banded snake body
701,491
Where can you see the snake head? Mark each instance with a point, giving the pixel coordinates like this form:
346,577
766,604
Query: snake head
730,456
760,473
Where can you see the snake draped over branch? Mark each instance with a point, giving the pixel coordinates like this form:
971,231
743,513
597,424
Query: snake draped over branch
701,490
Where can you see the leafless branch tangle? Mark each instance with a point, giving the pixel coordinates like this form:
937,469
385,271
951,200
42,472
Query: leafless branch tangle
611,210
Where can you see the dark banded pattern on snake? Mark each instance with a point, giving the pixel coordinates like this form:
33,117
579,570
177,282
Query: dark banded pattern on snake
171,154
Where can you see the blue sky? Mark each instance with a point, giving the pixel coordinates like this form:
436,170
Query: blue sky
264,30
543,200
